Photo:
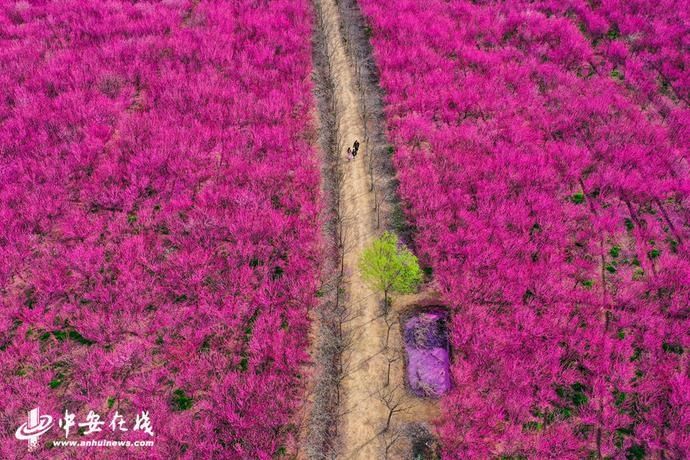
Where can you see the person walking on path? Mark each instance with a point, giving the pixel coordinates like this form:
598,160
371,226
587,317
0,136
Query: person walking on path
355,147
350,155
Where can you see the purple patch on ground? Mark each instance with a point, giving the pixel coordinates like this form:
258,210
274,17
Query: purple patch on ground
428,357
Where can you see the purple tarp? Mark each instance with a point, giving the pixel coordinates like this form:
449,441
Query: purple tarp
428,360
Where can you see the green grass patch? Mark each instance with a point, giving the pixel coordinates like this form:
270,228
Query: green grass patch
577,198
181,401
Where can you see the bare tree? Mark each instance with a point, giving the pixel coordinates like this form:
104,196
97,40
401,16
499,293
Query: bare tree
393,398
381,194
390,320
391,359
389,440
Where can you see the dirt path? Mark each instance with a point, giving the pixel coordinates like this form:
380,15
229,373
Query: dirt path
364,412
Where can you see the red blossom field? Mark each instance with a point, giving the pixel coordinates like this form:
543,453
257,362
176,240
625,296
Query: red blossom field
542,150
158,195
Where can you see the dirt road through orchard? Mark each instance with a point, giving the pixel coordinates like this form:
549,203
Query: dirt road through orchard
370,390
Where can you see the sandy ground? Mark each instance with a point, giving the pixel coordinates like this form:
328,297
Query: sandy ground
364,413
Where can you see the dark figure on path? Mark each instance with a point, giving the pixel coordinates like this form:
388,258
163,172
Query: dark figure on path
350,156
355,147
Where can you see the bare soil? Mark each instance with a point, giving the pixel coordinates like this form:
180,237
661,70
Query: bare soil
363,412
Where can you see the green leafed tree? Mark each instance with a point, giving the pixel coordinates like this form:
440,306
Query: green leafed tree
390,267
